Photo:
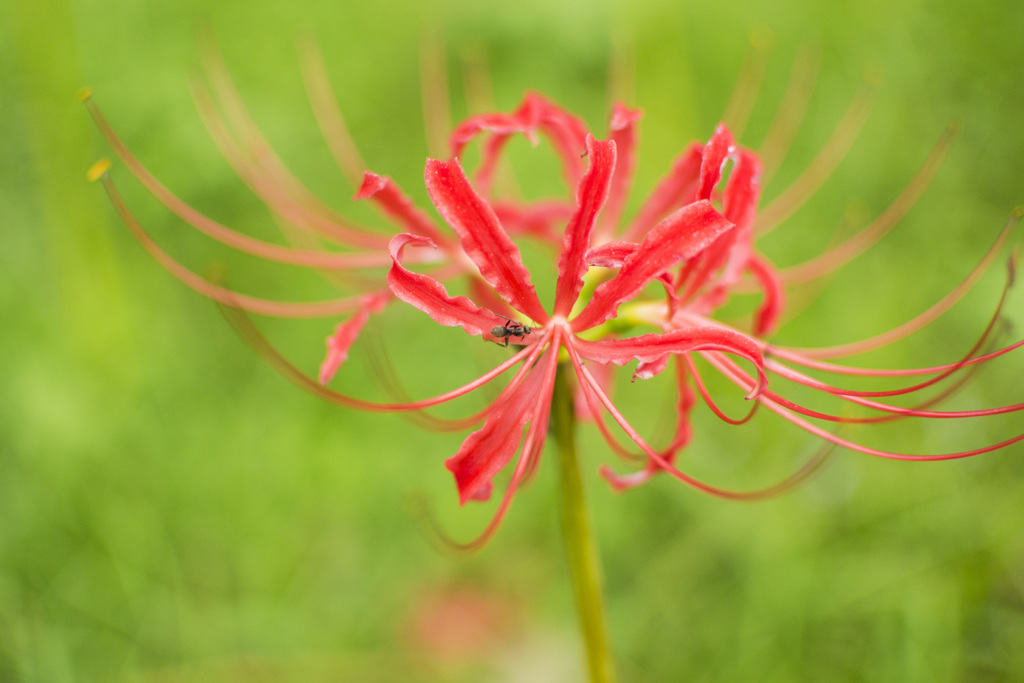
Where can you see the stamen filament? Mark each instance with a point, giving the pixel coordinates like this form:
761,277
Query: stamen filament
328,115
278,309
819,170
923,319
784,485
842,254
245,328
790,113
823,434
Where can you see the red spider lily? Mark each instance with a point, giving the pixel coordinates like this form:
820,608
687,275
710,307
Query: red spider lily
680,237
697,253
692,240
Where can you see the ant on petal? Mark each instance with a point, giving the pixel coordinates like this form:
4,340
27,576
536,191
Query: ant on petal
510,329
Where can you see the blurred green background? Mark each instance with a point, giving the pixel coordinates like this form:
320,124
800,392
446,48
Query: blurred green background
172,510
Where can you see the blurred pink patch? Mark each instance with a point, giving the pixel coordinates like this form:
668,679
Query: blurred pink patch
461,625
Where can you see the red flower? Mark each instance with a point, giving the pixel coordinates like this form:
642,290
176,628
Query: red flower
693,238
680,237
699,254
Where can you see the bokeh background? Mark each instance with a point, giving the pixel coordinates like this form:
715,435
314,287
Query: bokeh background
172,510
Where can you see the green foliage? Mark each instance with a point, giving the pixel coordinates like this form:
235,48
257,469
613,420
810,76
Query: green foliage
171,510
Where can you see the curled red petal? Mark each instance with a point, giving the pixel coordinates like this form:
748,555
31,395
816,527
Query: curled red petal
523,120
677,188
716,152
766,319
623,131
651,348
430,296
566,132
647,369
591,196
731,253
483,238
680,237
501,127
490,448
346,333
739,202
483,493
386,194
611,254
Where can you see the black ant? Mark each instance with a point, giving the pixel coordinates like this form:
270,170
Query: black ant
509,330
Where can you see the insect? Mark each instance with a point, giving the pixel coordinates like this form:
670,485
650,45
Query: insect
510,329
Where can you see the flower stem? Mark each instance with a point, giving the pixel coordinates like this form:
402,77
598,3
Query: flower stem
579,543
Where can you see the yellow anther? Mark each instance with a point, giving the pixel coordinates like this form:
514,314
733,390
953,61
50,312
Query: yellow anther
98,170
85,94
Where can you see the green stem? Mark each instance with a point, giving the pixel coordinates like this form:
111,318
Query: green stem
583,560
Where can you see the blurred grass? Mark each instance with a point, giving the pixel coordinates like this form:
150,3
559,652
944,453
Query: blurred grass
173,511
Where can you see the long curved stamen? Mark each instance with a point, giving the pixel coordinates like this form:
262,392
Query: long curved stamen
687,318
937,399
741,379
594,407
476,80
278,309
527,366
251,335
965,361
535,437
807,381
819,170
748,84
710,402
685,401
926,317
789,482
821,433
621,78
214,229
842,254
434,93
282,190
269,180
328,115
744,380
393,386
790,114
621,451
908,372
